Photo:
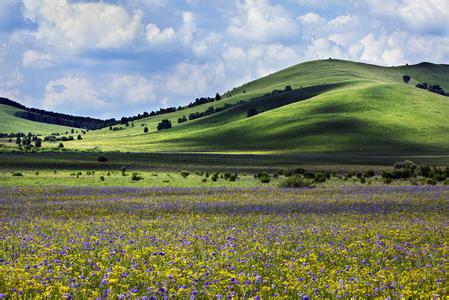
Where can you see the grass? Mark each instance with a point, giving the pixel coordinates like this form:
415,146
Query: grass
12,124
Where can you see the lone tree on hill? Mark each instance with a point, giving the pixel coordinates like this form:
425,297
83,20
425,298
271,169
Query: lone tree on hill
406,78
145,130
217,97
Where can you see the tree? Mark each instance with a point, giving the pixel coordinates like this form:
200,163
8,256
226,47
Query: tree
110,127
406,78
38,143
217,97
252,112
61,145
79,137
145,130
72,131
164,124
18,141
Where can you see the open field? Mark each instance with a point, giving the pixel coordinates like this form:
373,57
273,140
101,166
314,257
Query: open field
129,242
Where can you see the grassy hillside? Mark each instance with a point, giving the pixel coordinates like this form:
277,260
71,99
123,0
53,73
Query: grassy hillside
335,107
12,124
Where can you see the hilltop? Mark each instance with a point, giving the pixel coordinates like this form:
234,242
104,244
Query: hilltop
328,106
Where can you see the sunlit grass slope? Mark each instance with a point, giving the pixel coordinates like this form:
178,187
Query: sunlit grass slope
9,123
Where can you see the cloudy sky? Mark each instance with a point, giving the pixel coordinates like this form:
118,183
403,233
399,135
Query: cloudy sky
114,58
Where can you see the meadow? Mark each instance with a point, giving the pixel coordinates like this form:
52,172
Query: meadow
128,242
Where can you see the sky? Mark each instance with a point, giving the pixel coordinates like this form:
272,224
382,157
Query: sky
115,58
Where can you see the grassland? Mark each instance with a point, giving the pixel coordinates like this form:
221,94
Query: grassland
12,124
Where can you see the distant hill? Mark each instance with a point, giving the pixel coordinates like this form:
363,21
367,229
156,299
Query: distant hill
327,106
49,117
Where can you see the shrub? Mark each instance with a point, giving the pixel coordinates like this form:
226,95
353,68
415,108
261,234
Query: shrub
102,158
431,181
264,177
362,180
406,78
17,174
123,171
61,145
38,143
145,130
296,181
79,137
321,177
102,178
370,174
185,174
136,177
164,124
388,180
446,182
204,180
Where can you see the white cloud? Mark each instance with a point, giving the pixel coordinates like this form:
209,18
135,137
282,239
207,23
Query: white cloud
188,29
259,21
83,25
10,84
311,18
132,89
34,59
158,37
73,94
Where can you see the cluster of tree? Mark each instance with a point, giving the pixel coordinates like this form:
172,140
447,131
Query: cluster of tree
164,124
409,169
50,117
202,100
432,88
288,88
57,138
26,140
163,111
14,135
196,115
182,119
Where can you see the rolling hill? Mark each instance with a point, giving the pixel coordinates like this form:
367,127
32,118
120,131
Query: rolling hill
334,106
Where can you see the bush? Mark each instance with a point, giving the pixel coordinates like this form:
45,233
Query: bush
136,177
362,180
263,177
431,181
102,178
102,158
296,181
164,124
185,174
406,78
369,174
17,174
388,180
145,130
79,137
61,145
123,171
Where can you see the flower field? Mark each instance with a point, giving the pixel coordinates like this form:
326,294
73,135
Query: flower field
219,243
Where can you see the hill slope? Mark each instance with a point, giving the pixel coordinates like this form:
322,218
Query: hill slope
11,124
335,107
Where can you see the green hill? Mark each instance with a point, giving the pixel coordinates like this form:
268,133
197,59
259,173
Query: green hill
12,124
335,107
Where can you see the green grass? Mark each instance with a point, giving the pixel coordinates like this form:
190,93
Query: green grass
337,107
12,124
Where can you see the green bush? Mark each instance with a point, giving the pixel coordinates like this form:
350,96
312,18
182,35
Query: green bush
136,177
388,180
431,181
185,174
296,181
17,174
362,180
102,178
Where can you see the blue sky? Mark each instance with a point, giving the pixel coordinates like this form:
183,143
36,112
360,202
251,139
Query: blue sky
116,58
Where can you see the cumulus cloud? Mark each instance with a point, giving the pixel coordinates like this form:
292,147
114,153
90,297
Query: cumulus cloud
158,37
260,21
83,24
